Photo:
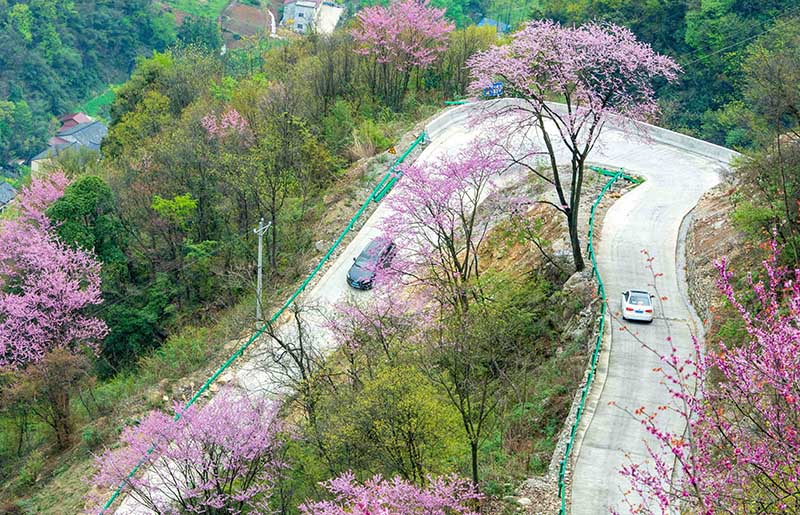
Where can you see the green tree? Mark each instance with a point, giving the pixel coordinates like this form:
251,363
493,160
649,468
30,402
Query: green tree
396,423
86,217
450,74
202,32
21,19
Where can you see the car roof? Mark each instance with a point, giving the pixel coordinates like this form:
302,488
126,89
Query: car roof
639,291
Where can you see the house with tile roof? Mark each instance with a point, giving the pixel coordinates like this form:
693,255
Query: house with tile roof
77,131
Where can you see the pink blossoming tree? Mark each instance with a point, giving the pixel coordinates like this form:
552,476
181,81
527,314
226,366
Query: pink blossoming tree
231,122
439,222
221,458
406,36
45,286
595,71
435,221
740,452
378,496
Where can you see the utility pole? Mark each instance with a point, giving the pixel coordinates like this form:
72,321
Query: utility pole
260,230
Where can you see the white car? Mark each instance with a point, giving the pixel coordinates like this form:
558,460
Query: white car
637,305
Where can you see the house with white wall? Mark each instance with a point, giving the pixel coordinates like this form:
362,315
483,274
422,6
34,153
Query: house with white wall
305,15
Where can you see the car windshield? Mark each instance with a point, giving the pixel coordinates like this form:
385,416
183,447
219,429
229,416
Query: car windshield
639,298
369,256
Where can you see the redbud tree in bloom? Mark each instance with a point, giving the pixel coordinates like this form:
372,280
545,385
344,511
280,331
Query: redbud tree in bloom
397,40
221,458
45,285
435,221
595,71
231,122
741,407
438,223
378,496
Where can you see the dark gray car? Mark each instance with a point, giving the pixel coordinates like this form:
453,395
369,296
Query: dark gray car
376,255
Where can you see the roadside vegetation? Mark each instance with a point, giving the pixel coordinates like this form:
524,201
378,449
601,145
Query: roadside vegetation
200,147
464,364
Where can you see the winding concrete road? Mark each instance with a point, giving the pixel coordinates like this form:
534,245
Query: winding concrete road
647,218
678,170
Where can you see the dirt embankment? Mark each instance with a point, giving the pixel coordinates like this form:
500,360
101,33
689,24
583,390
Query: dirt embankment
711,236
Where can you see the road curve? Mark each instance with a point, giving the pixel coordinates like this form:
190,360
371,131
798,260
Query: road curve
648,218
678,170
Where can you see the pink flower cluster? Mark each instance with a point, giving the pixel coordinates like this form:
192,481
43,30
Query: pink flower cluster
741,450
45,285
231,122
378,496
434,215
407,34
595,68
221,456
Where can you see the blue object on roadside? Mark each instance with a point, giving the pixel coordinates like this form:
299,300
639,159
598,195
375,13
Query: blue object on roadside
493,91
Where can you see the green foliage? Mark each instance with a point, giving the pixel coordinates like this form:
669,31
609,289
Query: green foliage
181,75
86,218
63,53
179,354
177,210
202,9
150,115
21,19
372,136
201,32
732,332
451,75
338,126
29,472
512,12
754,219
18,130
225,89
396,423
90,438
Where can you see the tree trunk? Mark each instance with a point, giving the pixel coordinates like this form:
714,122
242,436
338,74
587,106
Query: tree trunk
273,249
473,447
577,255
61,425
22,426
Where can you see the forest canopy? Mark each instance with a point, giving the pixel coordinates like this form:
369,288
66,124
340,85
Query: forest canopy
59,53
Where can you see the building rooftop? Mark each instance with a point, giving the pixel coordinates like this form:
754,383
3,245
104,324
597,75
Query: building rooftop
7,193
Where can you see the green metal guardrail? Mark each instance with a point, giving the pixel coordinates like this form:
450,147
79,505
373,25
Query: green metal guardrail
380,190
562,469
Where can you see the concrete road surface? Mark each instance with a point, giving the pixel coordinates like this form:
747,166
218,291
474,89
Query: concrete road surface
647,218
678,171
